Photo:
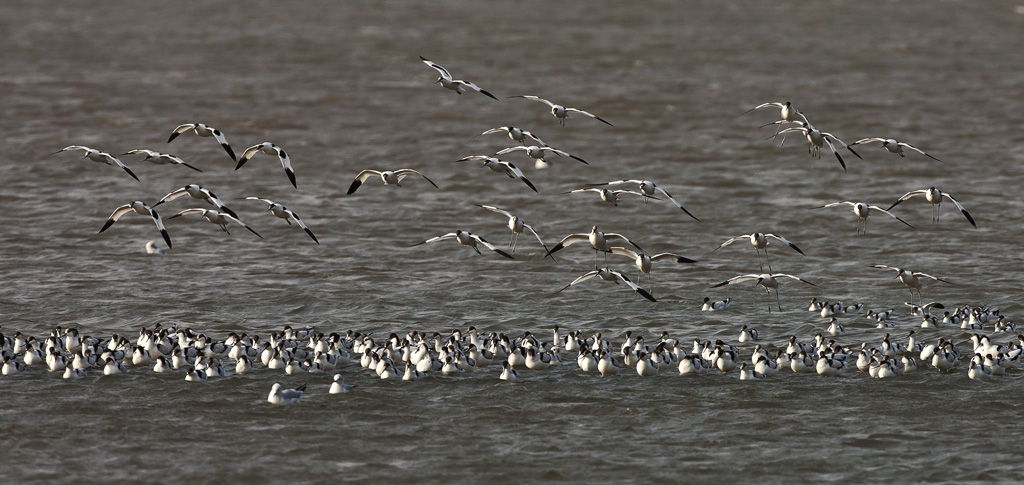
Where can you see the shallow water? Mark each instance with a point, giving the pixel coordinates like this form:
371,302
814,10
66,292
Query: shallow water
341,88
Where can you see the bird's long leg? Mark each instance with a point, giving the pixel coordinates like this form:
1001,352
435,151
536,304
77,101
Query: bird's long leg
766,259
769,299
777,302
513,238
760,264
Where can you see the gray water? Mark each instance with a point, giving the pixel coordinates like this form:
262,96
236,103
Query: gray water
340,86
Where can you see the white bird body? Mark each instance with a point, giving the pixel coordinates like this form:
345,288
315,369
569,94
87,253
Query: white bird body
516,225
768,280
389,177
288,215
499,166
760,242
613,276
204,131
934,196
817,139
561,112
197,192
158,158
268,148
216,217
285,396
911,279
466,238
893,146
539,154
100,157
648,189
516,134
863,211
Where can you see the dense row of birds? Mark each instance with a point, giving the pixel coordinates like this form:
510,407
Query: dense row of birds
791,122
416,354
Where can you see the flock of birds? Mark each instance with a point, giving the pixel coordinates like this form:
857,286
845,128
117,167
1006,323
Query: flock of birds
791,121
416,354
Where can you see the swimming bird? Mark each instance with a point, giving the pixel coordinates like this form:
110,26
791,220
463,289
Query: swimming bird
710,306
610,275
644,262
72,373
286,214
100,157
204,131
760,242
816,139
747,334
389,177
496,165
285,396
538,153
197,192
112,367
935,196
268,148
158,158
339,386
768,280
467,239
516,134
862,211
457,85
508,373
747,374
648,189
142,209
517,226
562,112
912,279
151,248
892,146
597,239
217,218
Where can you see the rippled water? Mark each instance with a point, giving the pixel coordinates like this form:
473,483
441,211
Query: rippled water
341,88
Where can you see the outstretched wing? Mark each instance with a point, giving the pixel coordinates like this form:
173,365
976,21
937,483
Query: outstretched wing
365,174
440,69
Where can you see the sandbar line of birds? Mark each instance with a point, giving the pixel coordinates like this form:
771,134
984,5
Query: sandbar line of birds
417,354
791,121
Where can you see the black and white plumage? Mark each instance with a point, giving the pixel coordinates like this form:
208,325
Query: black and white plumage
893,146
269,149
613,276
197,192
645,262
768,280
287,214
516,134
538,153
816,139
935,196
500,166
517,226
216,217
158,158
787,114
562,112
389,177
862,211
141,208
648,189
911,279
598,241
448,82
760,242
204,131
467,239
100,157
608,195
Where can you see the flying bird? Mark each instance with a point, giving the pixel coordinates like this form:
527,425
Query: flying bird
457,85
158,158
892,146
389,177
499,166
141,208
467,239
538,153
862,211
607,195
648,189
644,262
204,131
99,157
787,114
517,226
760,242
216,217
613,276
816,139
597,239
268,148
286,214
516,134
935,196
561,112
911,279
768,280
197,192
